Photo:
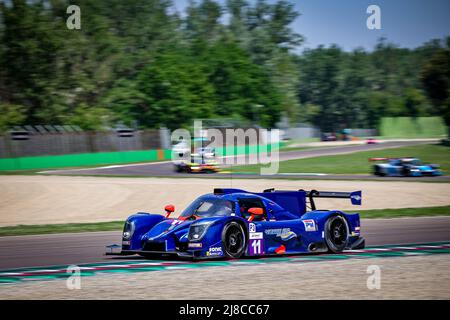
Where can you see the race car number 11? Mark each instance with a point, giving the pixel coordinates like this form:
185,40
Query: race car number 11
256,247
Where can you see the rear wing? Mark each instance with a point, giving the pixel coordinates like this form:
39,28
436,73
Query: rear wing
355,196
394,158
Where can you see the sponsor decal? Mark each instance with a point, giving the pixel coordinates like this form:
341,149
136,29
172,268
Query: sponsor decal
277,232
256,235
288,236
126,243
194,245
284,233
310,225
251,227
214,251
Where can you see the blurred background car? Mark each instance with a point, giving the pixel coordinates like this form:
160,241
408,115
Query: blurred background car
328,136
405,167
203,160
197,164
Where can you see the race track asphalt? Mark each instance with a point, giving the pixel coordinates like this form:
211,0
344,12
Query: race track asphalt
166,169
77,248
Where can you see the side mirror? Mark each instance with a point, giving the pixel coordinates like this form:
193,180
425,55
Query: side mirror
254,212
169,209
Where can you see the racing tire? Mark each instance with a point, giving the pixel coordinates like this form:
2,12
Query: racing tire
233,240
378,172
406,172
336,234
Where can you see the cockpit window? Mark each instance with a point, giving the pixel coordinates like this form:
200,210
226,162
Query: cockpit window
209,208
414,162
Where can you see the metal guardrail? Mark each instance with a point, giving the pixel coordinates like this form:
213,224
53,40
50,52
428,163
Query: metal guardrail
23,141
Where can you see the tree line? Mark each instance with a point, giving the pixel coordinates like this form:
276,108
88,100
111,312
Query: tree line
142,61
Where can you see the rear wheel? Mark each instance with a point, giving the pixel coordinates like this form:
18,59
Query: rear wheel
233,240
406,171
336,234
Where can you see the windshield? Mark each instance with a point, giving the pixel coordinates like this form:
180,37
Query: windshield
209,208
414,162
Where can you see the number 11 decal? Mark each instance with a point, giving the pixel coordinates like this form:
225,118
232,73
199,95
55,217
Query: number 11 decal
256,247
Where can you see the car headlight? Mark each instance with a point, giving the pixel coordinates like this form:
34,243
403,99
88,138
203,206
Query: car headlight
198,230
128,230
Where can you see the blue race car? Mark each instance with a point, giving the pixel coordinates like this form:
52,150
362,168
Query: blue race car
404,167
232,223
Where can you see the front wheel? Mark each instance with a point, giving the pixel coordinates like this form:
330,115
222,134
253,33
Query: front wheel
233,240
336,234
377,171
406,172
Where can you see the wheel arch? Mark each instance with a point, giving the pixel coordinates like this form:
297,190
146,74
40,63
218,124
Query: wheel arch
142,223
321,217
244,227
242,223
348,225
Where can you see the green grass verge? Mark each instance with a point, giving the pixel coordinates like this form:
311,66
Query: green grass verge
21,230
405,212
422,127
36,171
357,163
283,149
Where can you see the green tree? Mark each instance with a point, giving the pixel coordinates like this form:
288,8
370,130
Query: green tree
415,103
11,115
435,77
31,45
176,90
241,86
90,118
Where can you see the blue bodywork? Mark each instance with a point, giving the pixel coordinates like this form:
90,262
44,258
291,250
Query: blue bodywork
287,228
